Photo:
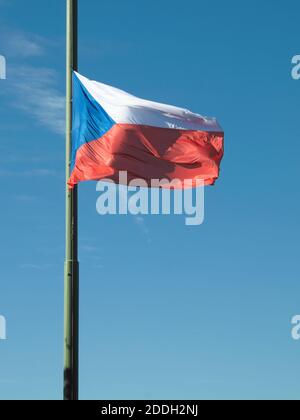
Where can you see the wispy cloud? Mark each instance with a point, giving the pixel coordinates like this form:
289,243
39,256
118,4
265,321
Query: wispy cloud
25,198
30,173
22,45
8,157
90,248
35,267
42,172
141,223
34,91
30,88
91,254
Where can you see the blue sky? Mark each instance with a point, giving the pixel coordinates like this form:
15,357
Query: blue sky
167,311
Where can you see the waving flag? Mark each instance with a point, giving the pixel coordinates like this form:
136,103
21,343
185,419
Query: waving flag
114,131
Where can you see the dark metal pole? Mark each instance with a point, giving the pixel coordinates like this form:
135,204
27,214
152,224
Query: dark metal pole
71,310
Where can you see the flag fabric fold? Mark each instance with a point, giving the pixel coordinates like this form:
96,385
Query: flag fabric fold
114,131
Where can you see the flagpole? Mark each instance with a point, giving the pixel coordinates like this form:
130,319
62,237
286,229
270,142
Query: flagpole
71,282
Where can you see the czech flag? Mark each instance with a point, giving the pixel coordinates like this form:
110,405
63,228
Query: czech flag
114,131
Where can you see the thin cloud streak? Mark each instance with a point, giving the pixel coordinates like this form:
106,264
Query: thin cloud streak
35,267
19,44
34,92
32,89
141,223
29,173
